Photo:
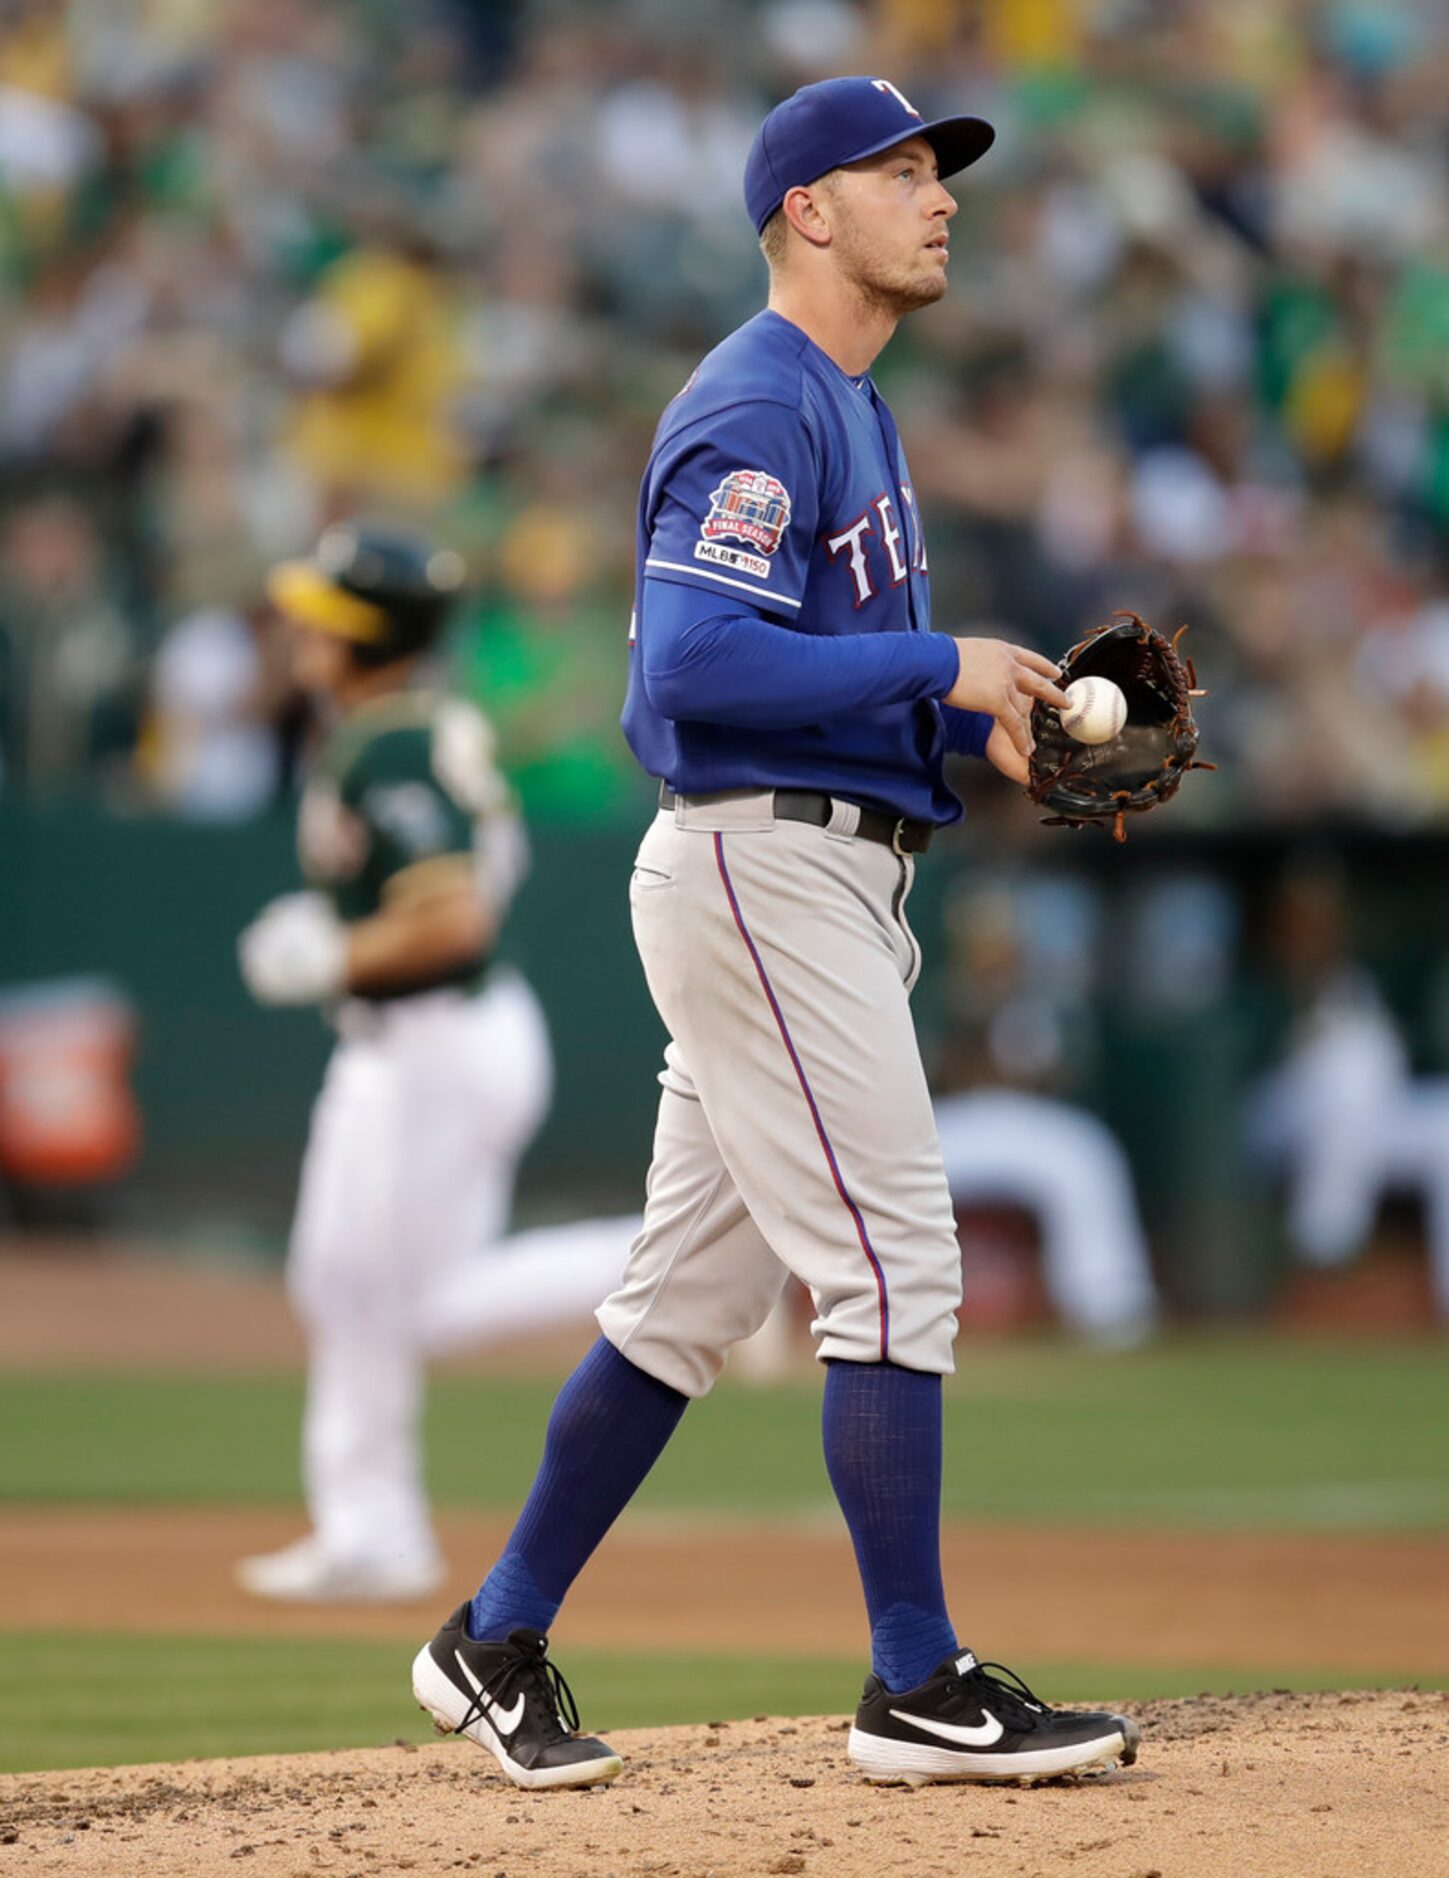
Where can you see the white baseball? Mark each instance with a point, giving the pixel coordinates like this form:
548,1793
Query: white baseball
1096,712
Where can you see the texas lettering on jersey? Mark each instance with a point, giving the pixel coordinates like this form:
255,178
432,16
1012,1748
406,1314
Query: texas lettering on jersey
877,525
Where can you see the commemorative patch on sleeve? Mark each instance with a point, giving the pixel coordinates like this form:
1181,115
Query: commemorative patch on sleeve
749,506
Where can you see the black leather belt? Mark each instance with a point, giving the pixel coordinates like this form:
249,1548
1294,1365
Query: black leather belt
816,808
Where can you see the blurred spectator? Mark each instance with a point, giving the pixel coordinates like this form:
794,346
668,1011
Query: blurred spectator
213,753
543,648
1340,1118
70,668
376,361
1019,1046
259,265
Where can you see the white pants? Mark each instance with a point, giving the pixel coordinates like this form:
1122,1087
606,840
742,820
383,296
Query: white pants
795,1131
427,1107
1065,1165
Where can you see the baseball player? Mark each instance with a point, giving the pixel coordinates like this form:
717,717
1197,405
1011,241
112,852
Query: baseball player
787,690
441,1073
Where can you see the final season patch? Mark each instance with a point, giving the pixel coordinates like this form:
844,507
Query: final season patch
749,506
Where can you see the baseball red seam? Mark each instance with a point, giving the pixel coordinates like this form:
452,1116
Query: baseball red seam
784,1030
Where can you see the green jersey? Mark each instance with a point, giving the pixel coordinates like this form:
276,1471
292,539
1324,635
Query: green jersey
403,783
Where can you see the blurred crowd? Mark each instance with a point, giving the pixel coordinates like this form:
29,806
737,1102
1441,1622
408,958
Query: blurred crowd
265,262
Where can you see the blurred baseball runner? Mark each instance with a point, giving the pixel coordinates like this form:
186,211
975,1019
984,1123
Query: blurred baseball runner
786,689
441,1074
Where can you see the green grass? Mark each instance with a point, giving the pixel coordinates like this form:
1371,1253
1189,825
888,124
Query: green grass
73,1701
1204,1432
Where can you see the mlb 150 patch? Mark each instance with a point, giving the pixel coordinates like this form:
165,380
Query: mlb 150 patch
749,506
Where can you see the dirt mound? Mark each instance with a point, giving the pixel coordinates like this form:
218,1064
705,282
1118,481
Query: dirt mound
1279,1785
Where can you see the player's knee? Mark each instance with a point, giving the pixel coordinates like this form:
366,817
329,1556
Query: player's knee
688,1365
905,1316
329,1285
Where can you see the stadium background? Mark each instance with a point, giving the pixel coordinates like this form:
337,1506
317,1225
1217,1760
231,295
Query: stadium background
267,264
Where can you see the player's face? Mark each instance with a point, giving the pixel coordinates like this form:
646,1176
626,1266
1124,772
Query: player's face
320,661
888,217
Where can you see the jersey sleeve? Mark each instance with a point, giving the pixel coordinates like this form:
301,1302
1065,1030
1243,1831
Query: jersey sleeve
736,666
408,810
734,505
967,732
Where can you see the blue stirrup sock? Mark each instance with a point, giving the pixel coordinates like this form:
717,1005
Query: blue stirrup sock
609,1426
882,1429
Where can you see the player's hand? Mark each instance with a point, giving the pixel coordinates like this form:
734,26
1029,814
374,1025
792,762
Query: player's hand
1003,754
1004,681
295,952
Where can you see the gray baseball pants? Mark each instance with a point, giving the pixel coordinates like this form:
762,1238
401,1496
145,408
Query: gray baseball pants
795,1130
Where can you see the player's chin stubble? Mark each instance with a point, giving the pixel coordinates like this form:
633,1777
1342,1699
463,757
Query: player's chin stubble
884,288
900,293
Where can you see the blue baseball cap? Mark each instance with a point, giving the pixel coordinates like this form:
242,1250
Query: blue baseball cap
841,120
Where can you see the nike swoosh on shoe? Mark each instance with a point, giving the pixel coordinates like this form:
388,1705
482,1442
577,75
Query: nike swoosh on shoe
985,1736
505,1720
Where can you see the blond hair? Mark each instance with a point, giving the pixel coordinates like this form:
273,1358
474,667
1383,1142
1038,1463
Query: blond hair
775,235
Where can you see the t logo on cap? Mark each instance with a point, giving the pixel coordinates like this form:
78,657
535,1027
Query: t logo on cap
843,120
884,84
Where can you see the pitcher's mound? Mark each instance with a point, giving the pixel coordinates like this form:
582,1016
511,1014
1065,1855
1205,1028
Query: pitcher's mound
1267,1784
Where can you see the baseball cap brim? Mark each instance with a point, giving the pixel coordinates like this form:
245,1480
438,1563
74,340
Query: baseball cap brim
303,592
957,141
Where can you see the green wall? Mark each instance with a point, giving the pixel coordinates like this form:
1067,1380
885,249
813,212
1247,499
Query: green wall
225,1087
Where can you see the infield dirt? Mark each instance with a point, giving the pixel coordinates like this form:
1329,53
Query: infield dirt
1276,1786
1265,1786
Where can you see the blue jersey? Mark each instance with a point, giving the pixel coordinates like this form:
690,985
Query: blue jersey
782,620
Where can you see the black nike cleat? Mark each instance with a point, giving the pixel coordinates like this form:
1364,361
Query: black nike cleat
963,1723
510,1699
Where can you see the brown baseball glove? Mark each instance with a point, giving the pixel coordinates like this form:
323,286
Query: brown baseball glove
1146,761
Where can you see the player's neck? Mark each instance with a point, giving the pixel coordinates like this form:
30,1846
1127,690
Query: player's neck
850,333
367,682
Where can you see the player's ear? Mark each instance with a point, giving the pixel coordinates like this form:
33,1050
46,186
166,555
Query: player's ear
804,210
